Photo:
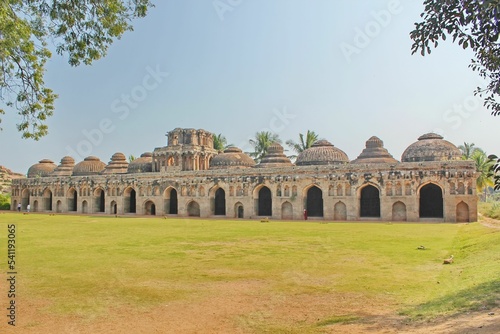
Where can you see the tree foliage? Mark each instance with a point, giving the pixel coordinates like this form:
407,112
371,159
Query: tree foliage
81,29
474,25
220,142
304,142
261,143
494,171
468,150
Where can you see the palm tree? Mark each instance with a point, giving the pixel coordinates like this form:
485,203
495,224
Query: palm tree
468,150
131,158
310,138
483,166
261,143
220,142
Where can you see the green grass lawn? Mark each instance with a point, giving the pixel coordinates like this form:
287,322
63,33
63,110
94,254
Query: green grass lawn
84,265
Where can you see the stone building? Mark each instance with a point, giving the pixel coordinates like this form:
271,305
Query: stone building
188,177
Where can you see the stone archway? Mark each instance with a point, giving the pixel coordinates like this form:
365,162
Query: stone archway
47,200
130,200
340,211
238,210
72,199
369,202
314,202
431,201
462,212
286,211
399,212
265,202
193,209
99,200
220,202
170,200
150,208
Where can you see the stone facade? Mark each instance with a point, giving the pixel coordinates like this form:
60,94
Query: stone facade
189,178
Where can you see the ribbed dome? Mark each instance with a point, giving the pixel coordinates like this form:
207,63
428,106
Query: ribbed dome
232,157
42,168
144,164
275,157
321,152
65,168
374,153
117,165
89,166
431,147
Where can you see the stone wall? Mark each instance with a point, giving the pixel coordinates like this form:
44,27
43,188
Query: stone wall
331,192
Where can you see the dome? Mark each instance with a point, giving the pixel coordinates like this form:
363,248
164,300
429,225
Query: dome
89,166
144,164
321,152
232,157
275,157
42,168
117,165
431,147
65,168
374,153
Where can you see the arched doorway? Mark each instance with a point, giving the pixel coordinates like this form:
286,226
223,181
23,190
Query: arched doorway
99,204
129,200
220,202
193,209
113,208
170,201
238,210
265,203
35,206
314,202
84,207
150,208
25,199
59,206
399,212
286,210
340,211
369,202
431,201
47,200
462,212
72,199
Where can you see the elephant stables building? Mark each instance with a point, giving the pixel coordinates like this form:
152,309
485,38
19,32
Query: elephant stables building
189,178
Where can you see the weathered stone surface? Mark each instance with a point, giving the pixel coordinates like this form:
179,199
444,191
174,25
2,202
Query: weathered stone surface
175,180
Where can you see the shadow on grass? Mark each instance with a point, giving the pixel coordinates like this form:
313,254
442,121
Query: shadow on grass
480,297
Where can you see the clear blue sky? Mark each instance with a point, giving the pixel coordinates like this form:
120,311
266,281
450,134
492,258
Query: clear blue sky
341,68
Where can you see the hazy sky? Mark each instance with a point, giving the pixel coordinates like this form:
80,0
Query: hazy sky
341,68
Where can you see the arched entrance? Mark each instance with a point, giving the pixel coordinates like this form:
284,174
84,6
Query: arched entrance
238,210
150,208
84,207
47,200
462,212
72,199
286,211
265,203
314,202
113,208
193,209
99,204
220,202
399,212
340,211
431,201
59,206
25,199
35,206
129,200
369,202
170,201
